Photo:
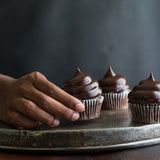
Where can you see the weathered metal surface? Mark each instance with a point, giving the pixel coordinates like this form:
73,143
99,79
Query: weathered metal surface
113,130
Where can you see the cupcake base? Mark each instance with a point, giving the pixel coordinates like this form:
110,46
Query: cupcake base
115,101
92,108
145,113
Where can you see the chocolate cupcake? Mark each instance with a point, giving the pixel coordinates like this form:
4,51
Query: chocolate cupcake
115,91
144,101
88,91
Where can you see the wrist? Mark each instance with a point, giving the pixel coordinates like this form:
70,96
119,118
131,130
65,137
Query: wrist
5,82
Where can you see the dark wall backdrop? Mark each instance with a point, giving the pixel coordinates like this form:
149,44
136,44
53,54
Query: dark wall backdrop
56,36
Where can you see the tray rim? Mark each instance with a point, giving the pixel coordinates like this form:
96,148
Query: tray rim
129,145
78,130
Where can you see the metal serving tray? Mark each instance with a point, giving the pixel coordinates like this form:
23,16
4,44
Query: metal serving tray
113,130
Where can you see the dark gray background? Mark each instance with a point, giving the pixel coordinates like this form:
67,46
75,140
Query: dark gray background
56,36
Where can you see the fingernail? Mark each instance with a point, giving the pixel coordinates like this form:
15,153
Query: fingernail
75,116
56,122
79,107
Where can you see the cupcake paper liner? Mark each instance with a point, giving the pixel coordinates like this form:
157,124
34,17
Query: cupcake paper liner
145,113
92,108
115,101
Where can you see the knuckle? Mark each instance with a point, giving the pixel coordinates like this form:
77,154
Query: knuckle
44,102
24,84
32,76
52,91
22,87
36,75
27,107
28,104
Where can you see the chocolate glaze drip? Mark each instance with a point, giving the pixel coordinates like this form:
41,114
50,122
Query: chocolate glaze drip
82,86
113,82
147,90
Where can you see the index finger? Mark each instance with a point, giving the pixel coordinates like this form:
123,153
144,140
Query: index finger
57,93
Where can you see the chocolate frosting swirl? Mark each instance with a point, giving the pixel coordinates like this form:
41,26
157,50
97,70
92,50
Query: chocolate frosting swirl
113,82
82,86
147,90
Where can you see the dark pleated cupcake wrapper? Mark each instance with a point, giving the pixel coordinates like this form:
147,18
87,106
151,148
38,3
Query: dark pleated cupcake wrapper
92,108
115,101
145,113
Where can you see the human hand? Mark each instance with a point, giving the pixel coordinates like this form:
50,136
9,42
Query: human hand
32,100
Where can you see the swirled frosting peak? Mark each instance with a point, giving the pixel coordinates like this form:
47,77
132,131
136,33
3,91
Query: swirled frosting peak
147,90
110,73
113,82
82,86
